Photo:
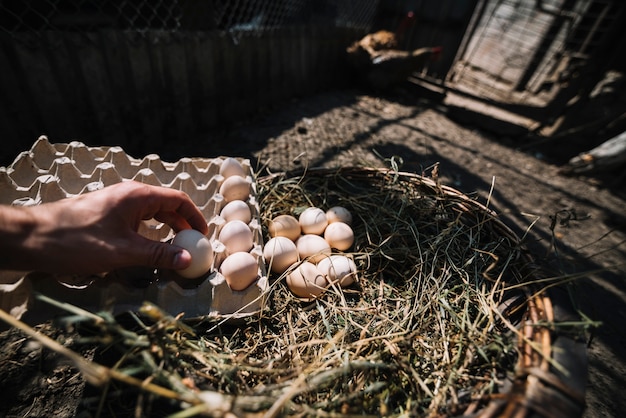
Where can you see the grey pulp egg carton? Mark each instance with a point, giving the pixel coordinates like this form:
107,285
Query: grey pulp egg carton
53,171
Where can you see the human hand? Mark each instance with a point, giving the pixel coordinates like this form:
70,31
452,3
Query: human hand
97,231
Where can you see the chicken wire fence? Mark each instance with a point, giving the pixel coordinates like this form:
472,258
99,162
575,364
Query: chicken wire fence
254,16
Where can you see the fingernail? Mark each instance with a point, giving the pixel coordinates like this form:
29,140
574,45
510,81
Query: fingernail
181,260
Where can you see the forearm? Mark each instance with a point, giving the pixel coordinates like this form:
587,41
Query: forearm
67,236
20,240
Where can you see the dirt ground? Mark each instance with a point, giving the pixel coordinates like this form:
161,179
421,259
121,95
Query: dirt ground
525,188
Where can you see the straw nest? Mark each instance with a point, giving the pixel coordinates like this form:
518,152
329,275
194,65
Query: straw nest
447,318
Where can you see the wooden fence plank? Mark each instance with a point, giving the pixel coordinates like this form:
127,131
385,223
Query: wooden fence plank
275,66
121,85
263,59
13,142
140,65
146,90
225,79
42,87
72,113
91,62
71,80
246,81
175,72
20,131
161,107
201,81
290,63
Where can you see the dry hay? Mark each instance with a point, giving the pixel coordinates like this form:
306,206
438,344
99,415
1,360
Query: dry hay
431,327
423,330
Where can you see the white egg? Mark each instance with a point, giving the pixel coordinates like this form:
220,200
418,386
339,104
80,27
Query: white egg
279,253
240,270
235,188
231,167
313,221
306,281
236,210
236,236
339,214
339,235
312,247
284,226
338,268
199,246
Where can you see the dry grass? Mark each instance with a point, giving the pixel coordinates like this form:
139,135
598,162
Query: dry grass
430,328
421,332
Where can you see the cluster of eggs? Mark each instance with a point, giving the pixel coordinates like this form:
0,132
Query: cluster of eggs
231,252
303,248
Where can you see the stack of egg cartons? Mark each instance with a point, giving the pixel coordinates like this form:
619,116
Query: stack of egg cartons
49,172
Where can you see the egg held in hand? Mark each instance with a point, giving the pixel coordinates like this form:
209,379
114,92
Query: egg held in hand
199,246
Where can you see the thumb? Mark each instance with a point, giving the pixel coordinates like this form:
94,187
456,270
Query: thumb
163,255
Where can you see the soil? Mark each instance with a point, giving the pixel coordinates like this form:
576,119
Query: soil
575,224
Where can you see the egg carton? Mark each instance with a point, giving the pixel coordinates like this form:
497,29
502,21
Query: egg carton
54,171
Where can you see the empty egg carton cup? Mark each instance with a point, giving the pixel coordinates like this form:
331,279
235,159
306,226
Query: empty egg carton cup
49,172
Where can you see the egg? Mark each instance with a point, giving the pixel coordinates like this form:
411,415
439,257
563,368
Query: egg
236,236
306,281
231,167
235,188
339,214
199,246
240,270
339,235
312,247
313,221
236,210
279,253
338,268
284,226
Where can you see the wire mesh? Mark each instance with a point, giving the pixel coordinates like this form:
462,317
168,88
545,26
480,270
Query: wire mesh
36,16
249,16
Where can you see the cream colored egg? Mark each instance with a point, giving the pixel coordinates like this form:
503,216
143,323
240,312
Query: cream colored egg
339,235
312,247
236,236
199,246
338,268
232,167
284,226
279,253
240,270
313,221
306,281
339,214
235,188
236,210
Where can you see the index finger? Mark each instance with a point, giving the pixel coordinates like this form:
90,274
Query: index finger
173,206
